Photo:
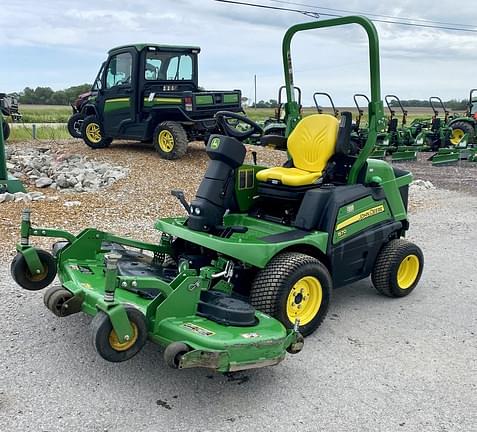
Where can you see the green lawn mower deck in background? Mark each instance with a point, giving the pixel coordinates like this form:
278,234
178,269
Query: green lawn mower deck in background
251,267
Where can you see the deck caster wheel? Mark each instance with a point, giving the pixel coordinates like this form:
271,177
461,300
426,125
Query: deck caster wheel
297,346
106,341
173,354
33,282
55,299
398,268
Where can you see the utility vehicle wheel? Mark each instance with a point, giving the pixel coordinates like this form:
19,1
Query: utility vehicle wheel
33,282
398,268
6,130
173,354
293,286
459,129
170,140
93,134
75,124
55,299
106,341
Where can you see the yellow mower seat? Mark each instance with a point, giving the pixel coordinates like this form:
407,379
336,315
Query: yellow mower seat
310,145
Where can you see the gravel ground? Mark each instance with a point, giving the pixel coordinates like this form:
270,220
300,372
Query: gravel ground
375,364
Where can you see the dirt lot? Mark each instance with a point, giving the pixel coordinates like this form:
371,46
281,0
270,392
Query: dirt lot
375,364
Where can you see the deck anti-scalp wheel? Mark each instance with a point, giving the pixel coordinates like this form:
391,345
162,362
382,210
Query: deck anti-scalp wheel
173,354
293,286
106,341
33,282
398,268
55,299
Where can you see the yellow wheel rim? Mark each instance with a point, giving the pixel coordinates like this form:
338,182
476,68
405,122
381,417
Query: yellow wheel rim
166,141
457,135
408,271
123,346
93,132
304,300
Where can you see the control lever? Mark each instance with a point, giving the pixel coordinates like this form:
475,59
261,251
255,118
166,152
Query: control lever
181,197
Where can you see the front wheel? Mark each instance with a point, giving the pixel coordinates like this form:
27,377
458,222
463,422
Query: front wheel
33,282
106,341
398,268
93,134
170,140
293,286
75,124
459,129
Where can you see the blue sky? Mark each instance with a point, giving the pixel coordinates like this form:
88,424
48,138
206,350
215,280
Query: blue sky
60,43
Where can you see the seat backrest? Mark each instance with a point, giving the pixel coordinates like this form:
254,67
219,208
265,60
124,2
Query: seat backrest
313,141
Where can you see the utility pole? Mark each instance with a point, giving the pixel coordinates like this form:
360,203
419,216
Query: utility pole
255,90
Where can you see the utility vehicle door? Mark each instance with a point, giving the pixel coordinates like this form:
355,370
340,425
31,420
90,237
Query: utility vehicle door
116,99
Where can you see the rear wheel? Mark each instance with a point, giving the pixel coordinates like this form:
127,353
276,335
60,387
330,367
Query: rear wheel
293,286
6,130
398,268
93,134
170,140
106,341
75,124
459,129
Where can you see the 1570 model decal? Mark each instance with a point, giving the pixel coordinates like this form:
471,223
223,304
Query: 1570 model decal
360,216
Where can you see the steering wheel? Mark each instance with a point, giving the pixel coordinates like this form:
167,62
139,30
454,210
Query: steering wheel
231,130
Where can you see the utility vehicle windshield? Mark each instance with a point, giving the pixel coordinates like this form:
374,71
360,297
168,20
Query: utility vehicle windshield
163,66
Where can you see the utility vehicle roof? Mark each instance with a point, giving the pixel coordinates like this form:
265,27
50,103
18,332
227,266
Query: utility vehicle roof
141,46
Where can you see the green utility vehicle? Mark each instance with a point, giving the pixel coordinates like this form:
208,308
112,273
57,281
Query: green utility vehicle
150,92
9,108
466,124
254,260
319,108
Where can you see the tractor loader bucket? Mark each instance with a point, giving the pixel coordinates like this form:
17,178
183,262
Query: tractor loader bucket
378,154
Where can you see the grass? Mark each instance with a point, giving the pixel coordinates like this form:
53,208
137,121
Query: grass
42,133
45,113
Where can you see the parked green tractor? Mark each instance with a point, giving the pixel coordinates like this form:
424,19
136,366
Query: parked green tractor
277,124
467,124
438,134
149,92
252,264
319,108
360,132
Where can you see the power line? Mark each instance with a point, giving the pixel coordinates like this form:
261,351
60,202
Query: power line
373,15
317,15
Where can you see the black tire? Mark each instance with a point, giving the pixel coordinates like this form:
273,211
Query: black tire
173,354
75,124
55,299
103,336
23,277
6,130
465,127
48,293
92,133
170,140
276,283
386,276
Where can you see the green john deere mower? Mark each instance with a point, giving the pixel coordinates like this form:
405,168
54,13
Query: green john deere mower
251,266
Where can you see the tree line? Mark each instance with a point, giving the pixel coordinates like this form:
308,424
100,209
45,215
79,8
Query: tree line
452,104
48,96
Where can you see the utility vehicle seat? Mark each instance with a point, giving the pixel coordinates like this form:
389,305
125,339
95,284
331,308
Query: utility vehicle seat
311,145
